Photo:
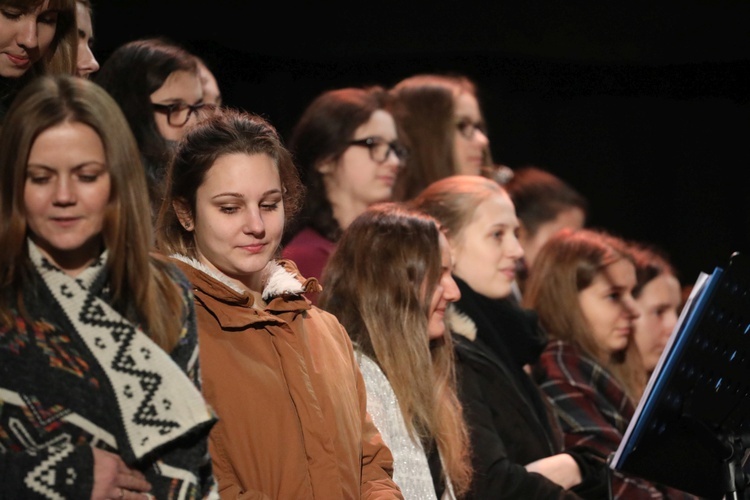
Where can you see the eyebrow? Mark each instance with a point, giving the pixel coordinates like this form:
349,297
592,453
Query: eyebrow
75,167
238,195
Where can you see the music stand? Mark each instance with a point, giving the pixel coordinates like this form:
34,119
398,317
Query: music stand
691,429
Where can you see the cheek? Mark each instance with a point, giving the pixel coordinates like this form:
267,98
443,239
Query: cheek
356,173
165,130
46,35
34,200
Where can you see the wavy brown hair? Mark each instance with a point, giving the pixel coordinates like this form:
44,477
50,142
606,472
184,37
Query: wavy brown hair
379,283
568,263
141,284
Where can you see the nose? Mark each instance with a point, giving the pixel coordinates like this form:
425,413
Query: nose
451,293
64,192
393,160
87,63
480,138
254,224
514,249
632,309
26,34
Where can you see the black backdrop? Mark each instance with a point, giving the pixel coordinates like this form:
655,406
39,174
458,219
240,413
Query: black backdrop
644,109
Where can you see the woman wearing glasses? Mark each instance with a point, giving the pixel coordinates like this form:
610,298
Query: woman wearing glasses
440,121
157,85
349,155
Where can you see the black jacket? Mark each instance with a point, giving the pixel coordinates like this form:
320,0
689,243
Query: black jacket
510,421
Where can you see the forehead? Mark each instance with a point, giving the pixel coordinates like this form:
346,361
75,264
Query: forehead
180,84
380,124
241,173
620,273
495,209
445,249
663,288
467,106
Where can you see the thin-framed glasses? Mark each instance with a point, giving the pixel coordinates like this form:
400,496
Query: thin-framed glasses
380,149
179,113
468,128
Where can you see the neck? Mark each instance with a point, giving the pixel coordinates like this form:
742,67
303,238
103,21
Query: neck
72,263
346,209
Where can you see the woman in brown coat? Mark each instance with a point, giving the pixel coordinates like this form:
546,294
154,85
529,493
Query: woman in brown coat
280,373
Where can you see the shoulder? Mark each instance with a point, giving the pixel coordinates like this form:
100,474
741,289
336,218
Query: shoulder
284,279
564,363
168,266
371,371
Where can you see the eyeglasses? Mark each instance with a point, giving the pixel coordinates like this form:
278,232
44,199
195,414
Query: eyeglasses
380,149
468,128
179,113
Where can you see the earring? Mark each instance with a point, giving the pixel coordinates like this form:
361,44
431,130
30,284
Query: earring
188,226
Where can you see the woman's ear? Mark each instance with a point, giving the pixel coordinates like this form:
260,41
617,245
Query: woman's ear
325,167
183,214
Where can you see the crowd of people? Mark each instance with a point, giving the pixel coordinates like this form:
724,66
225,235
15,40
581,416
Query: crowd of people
194,306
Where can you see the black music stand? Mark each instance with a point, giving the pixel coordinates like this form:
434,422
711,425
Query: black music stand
691,430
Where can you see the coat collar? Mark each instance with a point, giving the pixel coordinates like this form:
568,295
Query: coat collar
282,290
460,323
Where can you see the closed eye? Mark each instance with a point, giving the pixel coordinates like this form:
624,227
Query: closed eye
270,207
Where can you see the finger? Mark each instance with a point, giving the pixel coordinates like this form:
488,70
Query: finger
132,482
134,495
137,473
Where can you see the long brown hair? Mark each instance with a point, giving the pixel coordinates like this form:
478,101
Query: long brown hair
568,263
138,281
423,107
379,283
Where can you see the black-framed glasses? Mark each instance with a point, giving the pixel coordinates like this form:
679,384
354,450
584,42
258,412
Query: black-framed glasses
468,128
380,149
179,113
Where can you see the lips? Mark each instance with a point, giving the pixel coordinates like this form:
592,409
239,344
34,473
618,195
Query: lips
20,60
254,248
65,222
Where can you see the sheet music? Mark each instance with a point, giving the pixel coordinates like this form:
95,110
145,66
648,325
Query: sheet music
700,283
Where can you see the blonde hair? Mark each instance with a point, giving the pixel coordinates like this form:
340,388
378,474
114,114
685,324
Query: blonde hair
453,200
379,283
138,282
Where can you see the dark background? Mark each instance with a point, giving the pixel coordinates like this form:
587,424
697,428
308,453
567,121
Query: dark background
644,109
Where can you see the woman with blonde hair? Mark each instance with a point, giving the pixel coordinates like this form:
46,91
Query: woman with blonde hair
389,282
516,441
99,384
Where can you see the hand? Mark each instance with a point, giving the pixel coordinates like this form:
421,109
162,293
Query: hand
113,480
561,469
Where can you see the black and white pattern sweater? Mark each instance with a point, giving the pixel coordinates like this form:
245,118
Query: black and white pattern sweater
81,376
